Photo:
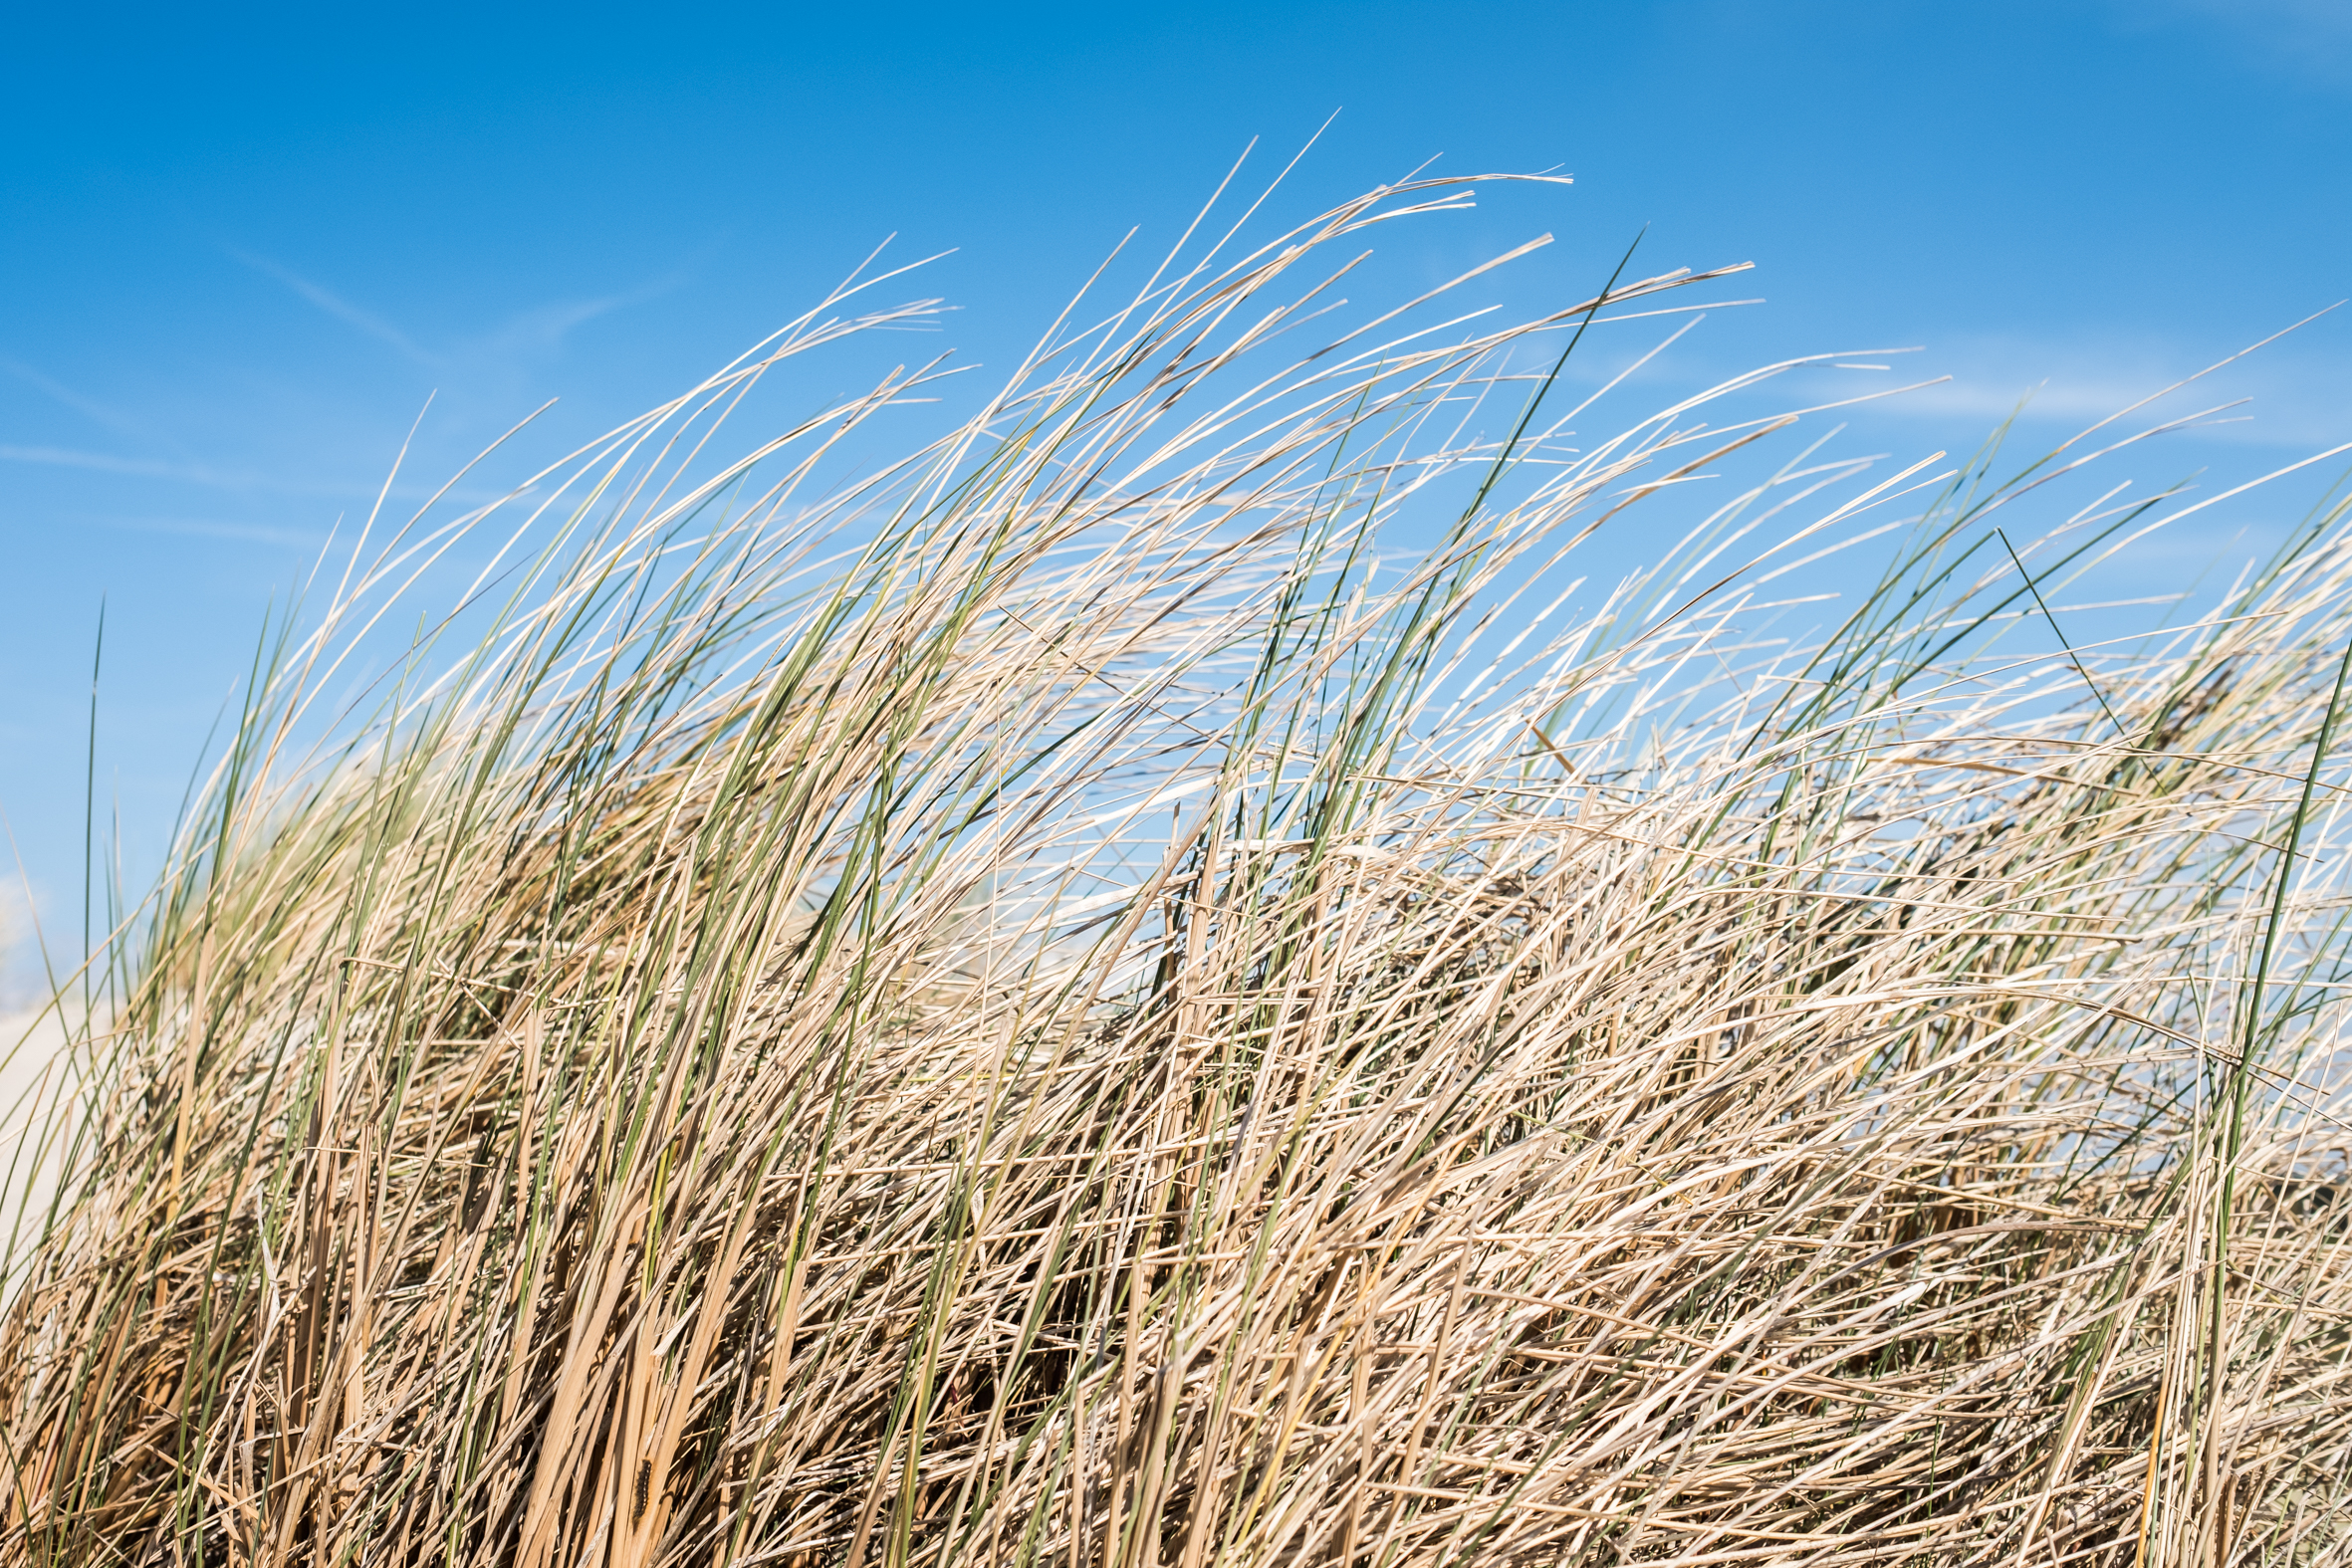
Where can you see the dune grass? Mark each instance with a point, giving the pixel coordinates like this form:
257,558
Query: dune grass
1053,1005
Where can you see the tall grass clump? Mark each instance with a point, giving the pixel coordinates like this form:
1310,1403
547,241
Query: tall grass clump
1056,1002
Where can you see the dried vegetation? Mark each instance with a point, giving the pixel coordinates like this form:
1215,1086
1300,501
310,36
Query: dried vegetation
1052,1007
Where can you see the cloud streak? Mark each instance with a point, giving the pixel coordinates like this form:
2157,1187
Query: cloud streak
217,479
155,468
234,533
336,306
545,327
540,330
88,407
2309,39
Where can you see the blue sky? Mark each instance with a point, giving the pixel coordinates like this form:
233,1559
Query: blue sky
239,252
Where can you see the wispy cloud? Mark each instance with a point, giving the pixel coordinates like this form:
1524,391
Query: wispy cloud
492,366
1991,396
155,468
233,533
2310,39
336,306
224,479
2292,17
88,407
2293,393
543,329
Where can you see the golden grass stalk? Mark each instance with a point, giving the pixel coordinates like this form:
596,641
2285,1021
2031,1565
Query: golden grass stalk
1050,1007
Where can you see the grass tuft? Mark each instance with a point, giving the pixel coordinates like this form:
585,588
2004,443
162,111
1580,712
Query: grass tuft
1052,1004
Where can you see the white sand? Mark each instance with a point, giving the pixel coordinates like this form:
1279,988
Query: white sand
32,1071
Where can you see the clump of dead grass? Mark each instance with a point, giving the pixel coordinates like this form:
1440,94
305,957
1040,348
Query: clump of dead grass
1049,1007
